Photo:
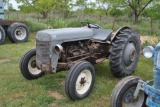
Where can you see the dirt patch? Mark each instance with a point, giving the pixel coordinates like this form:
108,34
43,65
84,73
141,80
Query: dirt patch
63,82
53,104
55,94
4,59
150,39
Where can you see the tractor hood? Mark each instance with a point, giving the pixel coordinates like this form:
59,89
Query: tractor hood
65,34
46,40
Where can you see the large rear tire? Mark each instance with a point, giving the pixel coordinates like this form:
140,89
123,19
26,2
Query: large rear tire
124,54
18,32
80,80
122,95
2,35
28,66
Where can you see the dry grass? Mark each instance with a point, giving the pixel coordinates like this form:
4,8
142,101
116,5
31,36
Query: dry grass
150,39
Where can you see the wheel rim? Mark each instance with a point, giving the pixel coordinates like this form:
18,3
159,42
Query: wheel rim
20,33
32,66
129,55
129,101
83,82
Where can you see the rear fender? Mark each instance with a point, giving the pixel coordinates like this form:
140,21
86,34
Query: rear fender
102,34
120,29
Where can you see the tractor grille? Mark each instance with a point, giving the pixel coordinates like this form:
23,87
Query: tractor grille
42,53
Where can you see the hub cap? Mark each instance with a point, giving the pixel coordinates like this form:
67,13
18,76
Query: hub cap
129,55
32,66
83,81
129,101
20,33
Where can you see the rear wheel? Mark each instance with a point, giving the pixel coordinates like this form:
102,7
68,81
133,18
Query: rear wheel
124,54
28,66
122,95
2,35
18,32
80,80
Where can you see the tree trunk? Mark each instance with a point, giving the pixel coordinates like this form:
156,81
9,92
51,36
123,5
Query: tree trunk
45,14
151,26
136,18
100,17
114,21
17,15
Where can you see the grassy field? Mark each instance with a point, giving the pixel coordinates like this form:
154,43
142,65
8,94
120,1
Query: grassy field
36,22
48,91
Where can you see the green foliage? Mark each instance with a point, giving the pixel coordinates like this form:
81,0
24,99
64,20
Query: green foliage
116,12
74,23
26,8
136,6
44,7
146,43
57,23
153,12
81,4
10,8
35,25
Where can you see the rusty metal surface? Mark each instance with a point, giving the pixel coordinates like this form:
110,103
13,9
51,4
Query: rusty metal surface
43,60
46,68
91,51
9,22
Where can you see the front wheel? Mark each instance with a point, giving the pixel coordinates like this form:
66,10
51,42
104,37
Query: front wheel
28,66
122,95
80,80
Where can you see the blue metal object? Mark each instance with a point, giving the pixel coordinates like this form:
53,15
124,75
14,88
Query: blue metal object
1,10
153,92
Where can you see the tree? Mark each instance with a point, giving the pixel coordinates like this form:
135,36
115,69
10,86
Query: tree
44,7
64,7
154,13
5,2
136,6
10,7
103,6
115,13
41,6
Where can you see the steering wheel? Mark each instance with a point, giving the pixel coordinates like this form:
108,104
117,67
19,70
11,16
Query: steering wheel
91,25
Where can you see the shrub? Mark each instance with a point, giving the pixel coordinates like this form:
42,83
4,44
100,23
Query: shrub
74,23
35,25
57,23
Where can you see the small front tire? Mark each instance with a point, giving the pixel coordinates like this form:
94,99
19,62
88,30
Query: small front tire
122,95
80,80
28,66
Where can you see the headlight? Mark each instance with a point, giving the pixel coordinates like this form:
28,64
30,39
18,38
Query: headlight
148,51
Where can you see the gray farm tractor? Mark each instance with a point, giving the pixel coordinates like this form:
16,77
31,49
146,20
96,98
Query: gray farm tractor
78,49
17,31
